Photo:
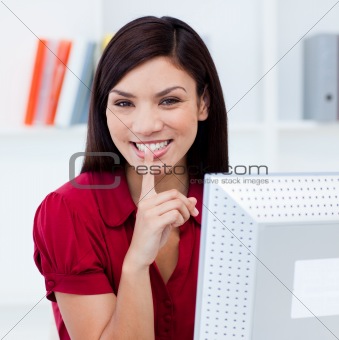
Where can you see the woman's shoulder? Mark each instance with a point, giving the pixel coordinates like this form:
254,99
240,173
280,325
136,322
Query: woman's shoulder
93,192
87,181
86,187
67,233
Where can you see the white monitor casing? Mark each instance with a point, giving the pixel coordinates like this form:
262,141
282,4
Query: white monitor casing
269,258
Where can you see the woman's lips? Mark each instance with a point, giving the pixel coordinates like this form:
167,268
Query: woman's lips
156,153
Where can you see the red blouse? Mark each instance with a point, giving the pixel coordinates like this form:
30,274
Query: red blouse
81,236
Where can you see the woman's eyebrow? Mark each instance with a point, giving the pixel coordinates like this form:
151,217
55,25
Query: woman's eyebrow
159,94
124,94
168,90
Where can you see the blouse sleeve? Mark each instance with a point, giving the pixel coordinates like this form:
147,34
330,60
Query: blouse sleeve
64,251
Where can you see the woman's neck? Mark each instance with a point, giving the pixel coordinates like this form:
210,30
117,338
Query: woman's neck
163,182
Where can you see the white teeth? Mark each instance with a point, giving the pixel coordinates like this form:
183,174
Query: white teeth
152,146
141,147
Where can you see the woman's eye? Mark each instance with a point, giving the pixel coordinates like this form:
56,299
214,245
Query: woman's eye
123,104
170,101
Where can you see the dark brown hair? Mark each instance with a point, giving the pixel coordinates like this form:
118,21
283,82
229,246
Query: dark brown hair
139,41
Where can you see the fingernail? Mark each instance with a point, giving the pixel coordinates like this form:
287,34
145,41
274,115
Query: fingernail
196,212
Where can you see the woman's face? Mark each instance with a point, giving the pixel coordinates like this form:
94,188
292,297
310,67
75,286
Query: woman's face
156,104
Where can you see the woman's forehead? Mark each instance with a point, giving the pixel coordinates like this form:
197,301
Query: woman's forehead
156,74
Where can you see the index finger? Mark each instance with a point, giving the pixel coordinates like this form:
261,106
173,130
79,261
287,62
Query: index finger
147,186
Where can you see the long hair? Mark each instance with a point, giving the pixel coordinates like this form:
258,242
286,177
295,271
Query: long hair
135,43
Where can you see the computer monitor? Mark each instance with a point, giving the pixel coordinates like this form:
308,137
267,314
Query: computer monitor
269,258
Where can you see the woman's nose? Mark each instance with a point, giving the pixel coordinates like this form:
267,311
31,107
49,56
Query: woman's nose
147,121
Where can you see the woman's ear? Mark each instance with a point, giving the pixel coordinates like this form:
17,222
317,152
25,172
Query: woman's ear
204,105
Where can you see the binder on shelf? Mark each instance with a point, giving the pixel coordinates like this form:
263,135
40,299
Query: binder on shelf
60,65
321,77
74,97
83,119
46,82
36,82
100,48
105,41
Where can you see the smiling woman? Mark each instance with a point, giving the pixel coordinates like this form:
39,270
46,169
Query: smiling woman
122,263
145,112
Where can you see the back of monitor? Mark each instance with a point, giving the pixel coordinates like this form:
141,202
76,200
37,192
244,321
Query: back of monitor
269,255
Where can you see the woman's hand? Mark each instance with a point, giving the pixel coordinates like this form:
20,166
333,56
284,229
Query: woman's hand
157,215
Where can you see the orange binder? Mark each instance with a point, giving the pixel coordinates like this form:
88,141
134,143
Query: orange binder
64,49
36,82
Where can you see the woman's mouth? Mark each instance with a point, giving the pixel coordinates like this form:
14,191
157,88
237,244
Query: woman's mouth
158,148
